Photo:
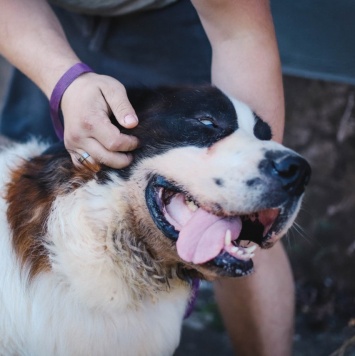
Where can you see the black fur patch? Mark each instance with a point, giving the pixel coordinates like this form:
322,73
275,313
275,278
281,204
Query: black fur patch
262,130
174,117
177,117
219,181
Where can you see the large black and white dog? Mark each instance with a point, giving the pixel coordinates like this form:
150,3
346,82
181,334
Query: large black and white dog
97,261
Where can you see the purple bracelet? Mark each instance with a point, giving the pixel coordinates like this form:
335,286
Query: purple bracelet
63,83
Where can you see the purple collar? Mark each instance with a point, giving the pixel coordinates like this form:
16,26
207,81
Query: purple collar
195,284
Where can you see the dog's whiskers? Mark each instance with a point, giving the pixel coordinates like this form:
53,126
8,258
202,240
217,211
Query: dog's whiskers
300,231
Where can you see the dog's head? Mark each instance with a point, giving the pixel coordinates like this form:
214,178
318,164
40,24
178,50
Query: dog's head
206,186
209,181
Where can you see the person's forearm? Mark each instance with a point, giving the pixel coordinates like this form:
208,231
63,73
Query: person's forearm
32,39
245,61
257,70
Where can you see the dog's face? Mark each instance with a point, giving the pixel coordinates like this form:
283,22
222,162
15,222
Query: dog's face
208,182
207,186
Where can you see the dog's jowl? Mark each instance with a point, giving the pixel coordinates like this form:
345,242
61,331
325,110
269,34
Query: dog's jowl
98,261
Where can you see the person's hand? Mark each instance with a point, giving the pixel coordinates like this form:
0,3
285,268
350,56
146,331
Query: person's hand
86,105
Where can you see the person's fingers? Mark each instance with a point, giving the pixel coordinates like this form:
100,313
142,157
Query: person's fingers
99,155
101,129
116,98
81,158
111,137
87,105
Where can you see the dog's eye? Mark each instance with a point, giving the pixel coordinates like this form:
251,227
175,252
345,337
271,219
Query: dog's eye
207,121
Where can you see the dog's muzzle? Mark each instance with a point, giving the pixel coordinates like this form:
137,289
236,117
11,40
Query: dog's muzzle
292,171
224,241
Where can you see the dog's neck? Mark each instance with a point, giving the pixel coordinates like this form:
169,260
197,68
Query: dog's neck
80,233
147,276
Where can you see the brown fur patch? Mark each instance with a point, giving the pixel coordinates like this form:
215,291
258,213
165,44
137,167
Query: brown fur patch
30,194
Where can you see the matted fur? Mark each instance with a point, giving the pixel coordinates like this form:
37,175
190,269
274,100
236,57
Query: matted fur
69,314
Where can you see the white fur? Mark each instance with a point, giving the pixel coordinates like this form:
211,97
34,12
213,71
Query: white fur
246,119
85,305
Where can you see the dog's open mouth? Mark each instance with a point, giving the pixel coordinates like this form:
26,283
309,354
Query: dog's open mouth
202,237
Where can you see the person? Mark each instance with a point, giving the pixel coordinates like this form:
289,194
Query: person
235,48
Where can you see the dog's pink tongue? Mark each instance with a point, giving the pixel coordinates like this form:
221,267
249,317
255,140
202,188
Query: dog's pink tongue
203,237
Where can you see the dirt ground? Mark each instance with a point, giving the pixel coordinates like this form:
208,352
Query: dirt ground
321,126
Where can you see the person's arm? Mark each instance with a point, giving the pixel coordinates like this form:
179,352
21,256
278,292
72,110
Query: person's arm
32,39
245,58
257,310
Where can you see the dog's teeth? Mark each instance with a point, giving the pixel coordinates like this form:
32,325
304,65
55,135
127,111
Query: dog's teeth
235,249
191,205
250,249
243,253
228,238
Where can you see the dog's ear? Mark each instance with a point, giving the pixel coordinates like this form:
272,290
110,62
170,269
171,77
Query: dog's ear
143,98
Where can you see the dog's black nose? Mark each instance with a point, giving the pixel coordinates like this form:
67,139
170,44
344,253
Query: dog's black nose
292,171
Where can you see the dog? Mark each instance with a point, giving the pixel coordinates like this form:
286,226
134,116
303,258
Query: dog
99,261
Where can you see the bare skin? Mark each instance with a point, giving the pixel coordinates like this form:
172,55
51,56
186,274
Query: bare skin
258,311
39,48
245,59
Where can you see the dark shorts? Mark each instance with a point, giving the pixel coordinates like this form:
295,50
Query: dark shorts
160,47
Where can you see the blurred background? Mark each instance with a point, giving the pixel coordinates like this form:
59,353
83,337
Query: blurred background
320,124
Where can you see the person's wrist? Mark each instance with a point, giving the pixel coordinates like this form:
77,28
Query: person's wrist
61,86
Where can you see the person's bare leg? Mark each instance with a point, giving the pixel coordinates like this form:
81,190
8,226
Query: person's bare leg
258,310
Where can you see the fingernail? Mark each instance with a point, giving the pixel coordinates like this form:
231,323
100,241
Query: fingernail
130,119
